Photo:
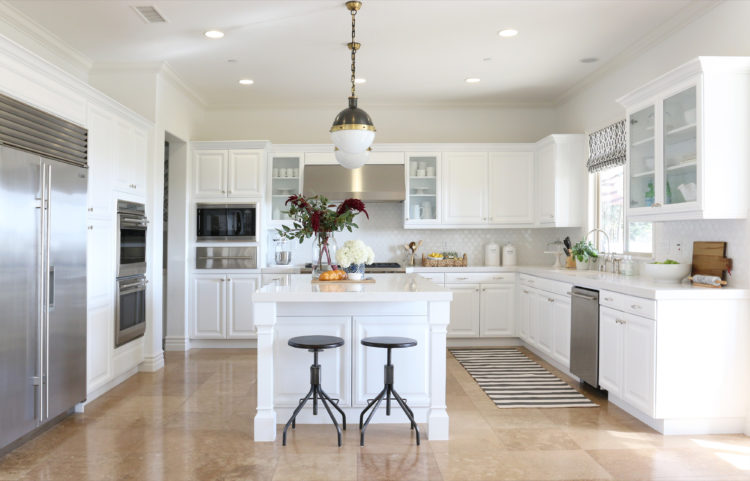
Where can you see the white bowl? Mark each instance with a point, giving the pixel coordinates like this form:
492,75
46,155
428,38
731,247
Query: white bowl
666,272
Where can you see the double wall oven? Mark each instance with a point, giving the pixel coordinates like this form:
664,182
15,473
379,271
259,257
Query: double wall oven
130,305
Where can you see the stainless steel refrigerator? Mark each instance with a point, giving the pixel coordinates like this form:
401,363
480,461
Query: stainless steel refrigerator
42,290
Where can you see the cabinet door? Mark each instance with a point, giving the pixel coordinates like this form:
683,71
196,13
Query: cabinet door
209,173
285,174
422,204
464,310
245,173
679,184
561,320
132,158
139,168
100,342
208,306
638,362
641,169
240,290
464,188
101,161
545,315
496,310
610,351
511,187
101,258
524,313
545,171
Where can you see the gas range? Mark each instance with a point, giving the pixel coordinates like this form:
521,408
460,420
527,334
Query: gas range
374,268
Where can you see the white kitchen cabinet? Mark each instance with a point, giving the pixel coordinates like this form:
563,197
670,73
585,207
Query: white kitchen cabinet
626,359
524,314
244,175
228,173
286,174
544,314
464,188
687,143
240,288
423,189
208,306
511,187
561,329
496,310
100,262
464,310
561,181
132,158
220,306
100,340
101,161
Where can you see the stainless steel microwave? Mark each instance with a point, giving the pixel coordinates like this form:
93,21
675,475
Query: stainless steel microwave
226,222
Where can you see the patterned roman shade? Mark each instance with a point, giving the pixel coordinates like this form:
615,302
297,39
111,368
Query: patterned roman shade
607,148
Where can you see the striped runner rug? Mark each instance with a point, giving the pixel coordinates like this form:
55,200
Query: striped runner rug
512,380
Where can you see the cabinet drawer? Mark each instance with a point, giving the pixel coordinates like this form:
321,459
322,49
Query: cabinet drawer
631,304
480,278
434,277
548,285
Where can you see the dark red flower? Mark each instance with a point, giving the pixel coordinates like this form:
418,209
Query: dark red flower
292,199
315,221
352,204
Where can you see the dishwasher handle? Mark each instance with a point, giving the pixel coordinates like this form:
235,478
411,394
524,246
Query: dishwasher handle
588,298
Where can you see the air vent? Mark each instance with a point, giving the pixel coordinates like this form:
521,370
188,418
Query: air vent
150,14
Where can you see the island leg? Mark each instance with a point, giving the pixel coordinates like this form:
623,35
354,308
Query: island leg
437,421
264,314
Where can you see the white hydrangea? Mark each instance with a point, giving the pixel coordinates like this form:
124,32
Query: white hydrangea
354,252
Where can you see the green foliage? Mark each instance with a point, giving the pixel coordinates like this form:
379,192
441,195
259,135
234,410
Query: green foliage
584,250
315,215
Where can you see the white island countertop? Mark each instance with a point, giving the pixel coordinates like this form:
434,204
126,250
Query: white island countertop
386,288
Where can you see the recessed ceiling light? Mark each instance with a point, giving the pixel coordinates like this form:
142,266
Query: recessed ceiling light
508,32
589,60
246,81
360,80
213,34
472,80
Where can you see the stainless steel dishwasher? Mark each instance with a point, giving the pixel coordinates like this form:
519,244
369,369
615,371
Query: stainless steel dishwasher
584,335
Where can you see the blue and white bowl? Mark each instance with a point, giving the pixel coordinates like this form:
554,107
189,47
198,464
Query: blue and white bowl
356,272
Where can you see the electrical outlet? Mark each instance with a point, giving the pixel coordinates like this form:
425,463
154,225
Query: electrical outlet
676,250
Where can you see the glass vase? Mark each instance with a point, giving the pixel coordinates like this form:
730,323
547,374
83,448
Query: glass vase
323,253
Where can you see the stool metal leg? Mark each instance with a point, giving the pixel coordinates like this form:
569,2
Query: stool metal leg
369,405
296,412
369,418
408,412
335,405
330,413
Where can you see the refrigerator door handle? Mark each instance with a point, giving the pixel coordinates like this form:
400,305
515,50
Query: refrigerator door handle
45,385
51,304
41,304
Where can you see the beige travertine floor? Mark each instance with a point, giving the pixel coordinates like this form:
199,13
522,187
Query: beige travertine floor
192,421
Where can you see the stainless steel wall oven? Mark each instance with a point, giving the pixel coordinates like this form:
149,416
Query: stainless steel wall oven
131,238
130,309
226,222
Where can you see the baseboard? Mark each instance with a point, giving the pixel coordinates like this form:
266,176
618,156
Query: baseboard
79,408
554,363
483,342
223,343
152,363
176,344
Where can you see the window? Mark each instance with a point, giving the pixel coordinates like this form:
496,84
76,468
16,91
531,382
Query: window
630,237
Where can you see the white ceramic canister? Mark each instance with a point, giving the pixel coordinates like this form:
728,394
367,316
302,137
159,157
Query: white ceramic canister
509,255
492,255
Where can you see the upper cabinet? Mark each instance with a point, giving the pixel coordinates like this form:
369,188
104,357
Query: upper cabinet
423,190
560,181
688,144
511,187
285,179
465,187
228,173
132,157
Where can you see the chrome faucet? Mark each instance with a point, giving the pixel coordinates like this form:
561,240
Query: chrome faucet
608,256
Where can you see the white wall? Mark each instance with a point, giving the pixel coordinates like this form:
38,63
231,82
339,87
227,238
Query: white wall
394,124
721,31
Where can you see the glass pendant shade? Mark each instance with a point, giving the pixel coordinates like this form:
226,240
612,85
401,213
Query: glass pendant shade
350,160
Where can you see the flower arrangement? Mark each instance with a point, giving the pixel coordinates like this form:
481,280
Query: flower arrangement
354,252
314,216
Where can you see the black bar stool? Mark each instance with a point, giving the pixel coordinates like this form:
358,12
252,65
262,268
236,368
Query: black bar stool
387,343
315,344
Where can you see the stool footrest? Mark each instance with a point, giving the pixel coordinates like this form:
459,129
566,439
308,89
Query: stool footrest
390,399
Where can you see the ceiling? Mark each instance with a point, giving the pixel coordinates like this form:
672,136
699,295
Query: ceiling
413,52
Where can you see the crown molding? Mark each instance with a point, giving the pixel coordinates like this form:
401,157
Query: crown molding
375,105
25,31
171,76
684,17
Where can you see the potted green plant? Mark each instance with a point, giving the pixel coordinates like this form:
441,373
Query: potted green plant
583,251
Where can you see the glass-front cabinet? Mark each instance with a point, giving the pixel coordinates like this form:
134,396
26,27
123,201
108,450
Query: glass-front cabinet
663,154
422,205
285,180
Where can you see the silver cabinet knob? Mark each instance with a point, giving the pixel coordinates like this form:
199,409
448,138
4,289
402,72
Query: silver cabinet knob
608,299
91,227
635,306
91,209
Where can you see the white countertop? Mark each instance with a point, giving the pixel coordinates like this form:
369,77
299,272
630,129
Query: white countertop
386,288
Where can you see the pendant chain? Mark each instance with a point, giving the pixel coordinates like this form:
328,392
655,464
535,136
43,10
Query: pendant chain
354,53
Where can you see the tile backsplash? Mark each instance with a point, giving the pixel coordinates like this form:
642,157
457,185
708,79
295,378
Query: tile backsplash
384,232
733,232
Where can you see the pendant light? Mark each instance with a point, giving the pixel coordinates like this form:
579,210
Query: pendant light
352,132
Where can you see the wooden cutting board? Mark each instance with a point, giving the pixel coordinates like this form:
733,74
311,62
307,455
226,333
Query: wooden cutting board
366,280
709,258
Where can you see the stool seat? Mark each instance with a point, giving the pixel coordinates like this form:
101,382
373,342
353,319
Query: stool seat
316,342
389,342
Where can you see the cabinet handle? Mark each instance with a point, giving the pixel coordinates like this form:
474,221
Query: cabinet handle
499,278
407,218
525,292
91,227
636,306
461,278
609,299
484,218
568,293
230,191
484,290
476,290
229,280
619,321
549,299
221,280
91,209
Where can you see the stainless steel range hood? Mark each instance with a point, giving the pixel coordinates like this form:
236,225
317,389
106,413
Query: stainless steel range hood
370,183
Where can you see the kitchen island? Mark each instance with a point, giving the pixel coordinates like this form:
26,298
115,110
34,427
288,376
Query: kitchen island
403,305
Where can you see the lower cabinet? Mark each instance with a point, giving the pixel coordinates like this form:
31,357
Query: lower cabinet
464,310
544,323
220,306
561,329
482,310
626,357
